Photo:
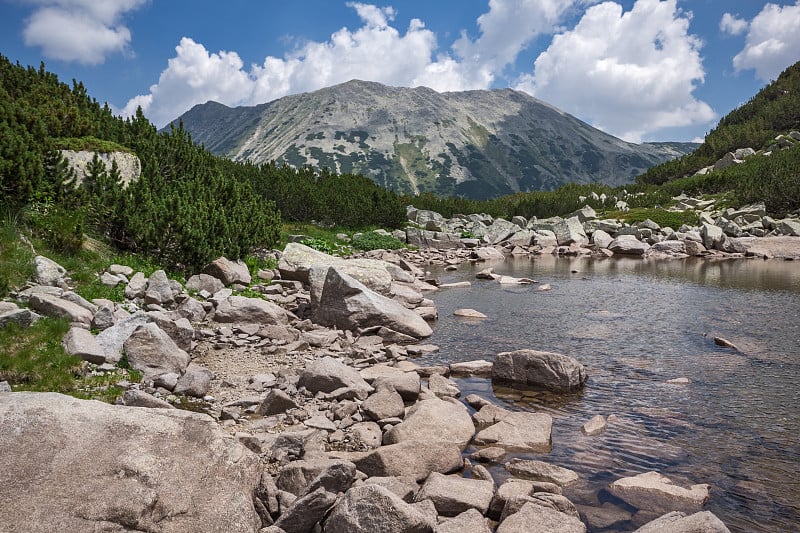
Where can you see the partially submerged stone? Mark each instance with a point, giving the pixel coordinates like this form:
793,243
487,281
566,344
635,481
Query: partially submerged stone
654,492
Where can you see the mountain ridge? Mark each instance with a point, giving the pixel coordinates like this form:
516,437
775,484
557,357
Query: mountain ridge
478,144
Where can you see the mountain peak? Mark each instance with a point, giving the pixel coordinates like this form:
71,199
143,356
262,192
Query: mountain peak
472,143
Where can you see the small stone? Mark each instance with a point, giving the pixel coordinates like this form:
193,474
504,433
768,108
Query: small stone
469,313
594,426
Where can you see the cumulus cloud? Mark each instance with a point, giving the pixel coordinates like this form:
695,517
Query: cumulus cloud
376,51
733,25
86,31
772,42
629,73
505,30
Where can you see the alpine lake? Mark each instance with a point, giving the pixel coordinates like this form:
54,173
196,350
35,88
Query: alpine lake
635,324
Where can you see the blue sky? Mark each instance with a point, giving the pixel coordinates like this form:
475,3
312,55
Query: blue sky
639,69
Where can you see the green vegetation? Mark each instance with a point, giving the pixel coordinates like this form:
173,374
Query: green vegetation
773,111
671,219
188,206
90,144
34,360
375,241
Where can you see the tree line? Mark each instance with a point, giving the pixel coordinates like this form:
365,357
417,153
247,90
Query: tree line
188,206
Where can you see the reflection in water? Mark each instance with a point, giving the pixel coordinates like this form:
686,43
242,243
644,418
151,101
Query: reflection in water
635,324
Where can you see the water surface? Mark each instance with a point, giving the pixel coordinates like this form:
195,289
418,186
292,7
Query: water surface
636,324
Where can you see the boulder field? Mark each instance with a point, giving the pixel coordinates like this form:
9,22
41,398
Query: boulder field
310,413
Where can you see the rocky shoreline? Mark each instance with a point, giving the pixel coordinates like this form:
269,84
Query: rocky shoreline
313,414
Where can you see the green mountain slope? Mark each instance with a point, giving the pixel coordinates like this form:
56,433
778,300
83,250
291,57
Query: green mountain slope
478,144
773,111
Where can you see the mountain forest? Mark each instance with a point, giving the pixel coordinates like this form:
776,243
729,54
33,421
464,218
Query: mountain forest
190,206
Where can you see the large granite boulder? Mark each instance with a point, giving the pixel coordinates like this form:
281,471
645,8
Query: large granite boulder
57,307
228,272
244,310
452,495
151,351
371,508
329,374
654,492
434,419
298,259
48,272
519,431
81,342
412,459
552,371
74,465
348,304
628,245
569,231
535,518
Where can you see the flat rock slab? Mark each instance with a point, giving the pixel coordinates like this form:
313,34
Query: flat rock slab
533,518
541,471
677,522
413,459
654,492
519,431
469,313
478,367
90,466
431,420
452,495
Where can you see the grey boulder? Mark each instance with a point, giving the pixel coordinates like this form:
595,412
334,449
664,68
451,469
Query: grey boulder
244,310
370,508
654,492
434,419
552,371
348,304
677,522
452,495
162,470
150,350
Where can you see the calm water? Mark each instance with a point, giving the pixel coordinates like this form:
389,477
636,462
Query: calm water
635,324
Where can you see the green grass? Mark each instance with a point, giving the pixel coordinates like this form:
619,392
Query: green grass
33,358
15,257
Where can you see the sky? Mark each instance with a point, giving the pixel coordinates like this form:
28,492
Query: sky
643,70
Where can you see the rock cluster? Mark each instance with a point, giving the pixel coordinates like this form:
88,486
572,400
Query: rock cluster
719,233
333,429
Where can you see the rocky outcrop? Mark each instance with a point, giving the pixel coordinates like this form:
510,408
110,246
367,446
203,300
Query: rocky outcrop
147,470
130,168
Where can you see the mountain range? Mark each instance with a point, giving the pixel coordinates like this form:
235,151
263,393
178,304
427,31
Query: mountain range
476,144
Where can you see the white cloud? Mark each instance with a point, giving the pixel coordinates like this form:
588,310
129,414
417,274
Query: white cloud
772,42
506,29
733,25
86,31
376,51
630,74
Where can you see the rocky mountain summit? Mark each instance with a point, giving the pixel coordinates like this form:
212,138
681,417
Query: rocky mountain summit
477,144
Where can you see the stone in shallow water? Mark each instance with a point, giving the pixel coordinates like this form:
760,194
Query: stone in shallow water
469,313
541,471
652,491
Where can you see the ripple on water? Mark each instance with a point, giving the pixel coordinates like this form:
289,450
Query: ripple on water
635,324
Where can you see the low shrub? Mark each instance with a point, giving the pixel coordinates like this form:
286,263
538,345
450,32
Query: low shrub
375,241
